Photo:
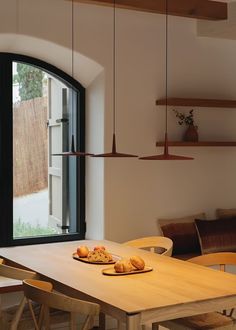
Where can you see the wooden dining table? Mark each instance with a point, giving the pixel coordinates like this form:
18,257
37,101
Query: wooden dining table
173,289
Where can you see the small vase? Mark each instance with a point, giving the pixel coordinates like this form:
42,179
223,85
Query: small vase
191,134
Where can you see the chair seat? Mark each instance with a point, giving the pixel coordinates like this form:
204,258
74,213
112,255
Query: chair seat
204,322
9,285
58,318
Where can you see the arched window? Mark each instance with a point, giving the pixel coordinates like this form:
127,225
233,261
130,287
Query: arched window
42,197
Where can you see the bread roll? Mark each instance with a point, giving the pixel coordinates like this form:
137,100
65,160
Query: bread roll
123,266
137,262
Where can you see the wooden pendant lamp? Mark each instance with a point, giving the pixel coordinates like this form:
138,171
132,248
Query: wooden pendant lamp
166,155
114,153
72,151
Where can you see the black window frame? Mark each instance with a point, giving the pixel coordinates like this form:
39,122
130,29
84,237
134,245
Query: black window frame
6,151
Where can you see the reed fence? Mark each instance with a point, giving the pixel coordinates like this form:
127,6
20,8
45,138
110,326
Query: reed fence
30,146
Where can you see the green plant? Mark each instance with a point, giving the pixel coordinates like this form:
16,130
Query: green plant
25,229
183,118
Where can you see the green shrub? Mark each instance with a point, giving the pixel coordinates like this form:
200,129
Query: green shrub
25,229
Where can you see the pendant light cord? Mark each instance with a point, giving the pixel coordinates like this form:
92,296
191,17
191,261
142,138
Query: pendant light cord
72,38
166,62
72,74
114,66
17,17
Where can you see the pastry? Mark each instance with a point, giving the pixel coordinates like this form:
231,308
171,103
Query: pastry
137,262
99,256
99,247
123,266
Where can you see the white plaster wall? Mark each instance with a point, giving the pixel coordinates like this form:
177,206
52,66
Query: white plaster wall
95,167
139,192
126,196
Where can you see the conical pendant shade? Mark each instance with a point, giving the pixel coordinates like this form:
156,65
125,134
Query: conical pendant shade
72,151
114,153
166,155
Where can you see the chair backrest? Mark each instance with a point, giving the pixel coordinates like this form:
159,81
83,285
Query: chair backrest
16,273
41,292
212,259
153,242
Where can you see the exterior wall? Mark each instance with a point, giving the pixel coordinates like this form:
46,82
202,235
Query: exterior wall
127,195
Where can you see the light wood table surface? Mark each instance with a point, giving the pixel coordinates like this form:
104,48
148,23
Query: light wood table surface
173,289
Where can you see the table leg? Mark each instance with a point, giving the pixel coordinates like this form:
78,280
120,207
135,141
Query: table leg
102,321
119,325
133,322
155,326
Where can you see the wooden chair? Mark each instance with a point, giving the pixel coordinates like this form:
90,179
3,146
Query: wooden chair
41,293
11,281
215,320
158,244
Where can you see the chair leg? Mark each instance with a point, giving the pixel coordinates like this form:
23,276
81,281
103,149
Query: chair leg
47,317
32,314
0,302
88,324
17,316
40,320
73,324
231,312
155,326
119,324
102,321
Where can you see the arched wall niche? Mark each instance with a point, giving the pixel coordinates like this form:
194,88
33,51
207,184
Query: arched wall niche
85,68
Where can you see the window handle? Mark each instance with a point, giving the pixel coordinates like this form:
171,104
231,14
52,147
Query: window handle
62,120
58,121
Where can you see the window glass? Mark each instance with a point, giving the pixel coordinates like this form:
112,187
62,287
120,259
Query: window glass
39,103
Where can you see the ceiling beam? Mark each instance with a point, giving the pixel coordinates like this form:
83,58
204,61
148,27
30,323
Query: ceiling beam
201,9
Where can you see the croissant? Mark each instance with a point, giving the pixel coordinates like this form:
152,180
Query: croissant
137,262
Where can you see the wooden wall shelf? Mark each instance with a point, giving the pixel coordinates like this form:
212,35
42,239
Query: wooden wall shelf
209,103
204,9
198,144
